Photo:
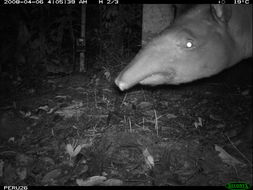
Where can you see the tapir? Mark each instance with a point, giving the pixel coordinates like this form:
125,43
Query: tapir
201,42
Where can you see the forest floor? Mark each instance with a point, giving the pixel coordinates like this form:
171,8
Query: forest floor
83,131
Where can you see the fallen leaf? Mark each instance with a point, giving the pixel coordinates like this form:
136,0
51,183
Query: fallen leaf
198,123
22,173
51,176
171,116
108,76
227,158
71,151
61,97
112,182
44,108
144,105
148,158
92,181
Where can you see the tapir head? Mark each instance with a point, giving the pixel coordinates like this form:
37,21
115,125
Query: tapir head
193,47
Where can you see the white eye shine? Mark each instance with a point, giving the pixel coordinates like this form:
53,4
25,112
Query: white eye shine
189,44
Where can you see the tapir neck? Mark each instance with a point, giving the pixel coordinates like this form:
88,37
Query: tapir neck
241,30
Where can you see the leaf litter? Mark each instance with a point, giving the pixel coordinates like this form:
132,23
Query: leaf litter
85,133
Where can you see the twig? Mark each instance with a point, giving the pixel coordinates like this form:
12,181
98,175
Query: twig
123,100
95,99
156,123
130,125
249,162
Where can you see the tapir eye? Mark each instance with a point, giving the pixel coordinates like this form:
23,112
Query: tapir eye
189,44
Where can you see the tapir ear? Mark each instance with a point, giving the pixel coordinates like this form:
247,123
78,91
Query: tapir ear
221,12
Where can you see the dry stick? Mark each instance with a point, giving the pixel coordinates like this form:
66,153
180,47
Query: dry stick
95,99
52,132
94,127
137,125
123,99
236,171
239,151
130,125
143,123
156,123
